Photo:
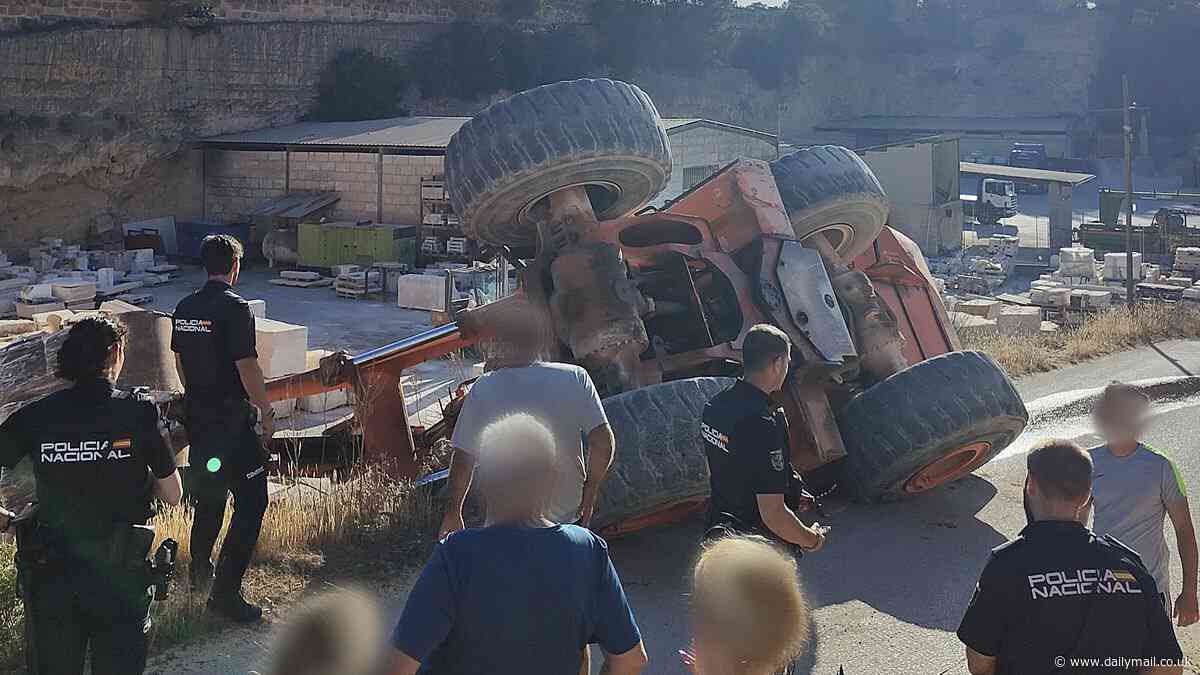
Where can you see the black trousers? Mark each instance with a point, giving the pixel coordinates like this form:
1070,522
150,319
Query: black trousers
240,471
74,608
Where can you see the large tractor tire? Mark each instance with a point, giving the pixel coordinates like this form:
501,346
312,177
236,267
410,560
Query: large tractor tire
830,191
600,134
660,457
928,425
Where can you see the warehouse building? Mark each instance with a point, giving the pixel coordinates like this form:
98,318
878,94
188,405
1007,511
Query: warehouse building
921,180
377,166
988,139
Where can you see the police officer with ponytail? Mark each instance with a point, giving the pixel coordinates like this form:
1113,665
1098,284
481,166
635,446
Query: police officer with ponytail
100,458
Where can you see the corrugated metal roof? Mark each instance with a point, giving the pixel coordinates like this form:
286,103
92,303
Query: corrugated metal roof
932,124
419,133
1001,171
676,124
295,205
394,132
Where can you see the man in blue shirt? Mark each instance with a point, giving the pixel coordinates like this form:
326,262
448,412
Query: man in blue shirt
520,595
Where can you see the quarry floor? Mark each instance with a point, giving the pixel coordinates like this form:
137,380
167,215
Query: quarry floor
333,323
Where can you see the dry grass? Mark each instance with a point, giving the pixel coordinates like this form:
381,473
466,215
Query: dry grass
303,527
1105,333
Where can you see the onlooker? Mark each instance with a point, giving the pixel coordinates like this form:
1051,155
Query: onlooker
227,409
562,396
748,612
1136,488
521,595
749,462
1059,599
337,633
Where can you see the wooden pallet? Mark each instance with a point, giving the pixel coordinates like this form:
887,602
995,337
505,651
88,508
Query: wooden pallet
355,294
315,283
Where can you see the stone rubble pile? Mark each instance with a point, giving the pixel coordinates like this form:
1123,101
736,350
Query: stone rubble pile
62,277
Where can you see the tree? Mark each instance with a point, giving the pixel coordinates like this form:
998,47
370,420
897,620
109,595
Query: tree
515,10
773,53
1150,41
684,36
358,85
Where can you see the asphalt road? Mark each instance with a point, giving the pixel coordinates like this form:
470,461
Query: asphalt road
892,583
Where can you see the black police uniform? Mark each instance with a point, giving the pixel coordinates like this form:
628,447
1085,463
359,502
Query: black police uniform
1059,592
213,330
94,450
746,445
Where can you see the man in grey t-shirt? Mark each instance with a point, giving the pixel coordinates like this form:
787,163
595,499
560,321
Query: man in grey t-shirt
1135,489
559,395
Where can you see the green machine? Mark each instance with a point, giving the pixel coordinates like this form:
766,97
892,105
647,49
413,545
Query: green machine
324,245
1173,225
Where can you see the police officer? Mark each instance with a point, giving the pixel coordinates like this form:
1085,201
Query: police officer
228,419
1059,599
748,460
99,456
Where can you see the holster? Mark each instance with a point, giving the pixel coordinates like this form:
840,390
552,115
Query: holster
129,546
162,567
234,416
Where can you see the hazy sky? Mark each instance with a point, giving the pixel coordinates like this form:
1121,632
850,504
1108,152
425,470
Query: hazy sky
768,3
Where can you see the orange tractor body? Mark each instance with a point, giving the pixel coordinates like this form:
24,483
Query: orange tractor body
709,266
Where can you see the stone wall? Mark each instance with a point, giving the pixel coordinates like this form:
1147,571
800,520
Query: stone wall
96,111
18,14
237,181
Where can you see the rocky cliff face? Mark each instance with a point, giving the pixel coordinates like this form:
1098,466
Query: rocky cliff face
95,114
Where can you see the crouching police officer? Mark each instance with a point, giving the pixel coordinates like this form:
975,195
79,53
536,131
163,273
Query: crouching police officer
1059,599
749,464
99,456
213,340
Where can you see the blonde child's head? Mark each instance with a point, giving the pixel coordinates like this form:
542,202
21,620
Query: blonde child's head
749,614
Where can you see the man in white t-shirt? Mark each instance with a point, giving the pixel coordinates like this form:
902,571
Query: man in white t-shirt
560,396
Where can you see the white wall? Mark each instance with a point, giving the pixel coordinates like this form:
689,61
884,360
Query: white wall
702,146
907,175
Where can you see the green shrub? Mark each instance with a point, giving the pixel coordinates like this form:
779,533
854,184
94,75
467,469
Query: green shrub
12,614
471,60
773,53
683,36
358,85
515,10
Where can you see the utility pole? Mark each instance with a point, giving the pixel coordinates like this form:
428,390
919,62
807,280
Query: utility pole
779,127
1127,106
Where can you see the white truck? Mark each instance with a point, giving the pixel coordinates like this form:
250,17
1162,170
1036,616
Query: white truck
995,199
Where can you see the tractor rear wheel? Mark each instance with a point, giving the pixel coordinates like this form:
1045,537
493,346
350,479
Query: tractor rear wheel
602,135
660,457
927,425
830,191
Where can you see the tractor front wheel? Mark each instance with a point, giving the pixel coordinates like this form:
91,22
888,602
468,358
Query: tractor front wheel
660,460
928,425
603,136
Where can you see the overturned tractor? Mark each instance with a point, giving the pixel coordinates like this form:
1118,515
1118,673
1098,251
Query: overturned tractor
655,303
